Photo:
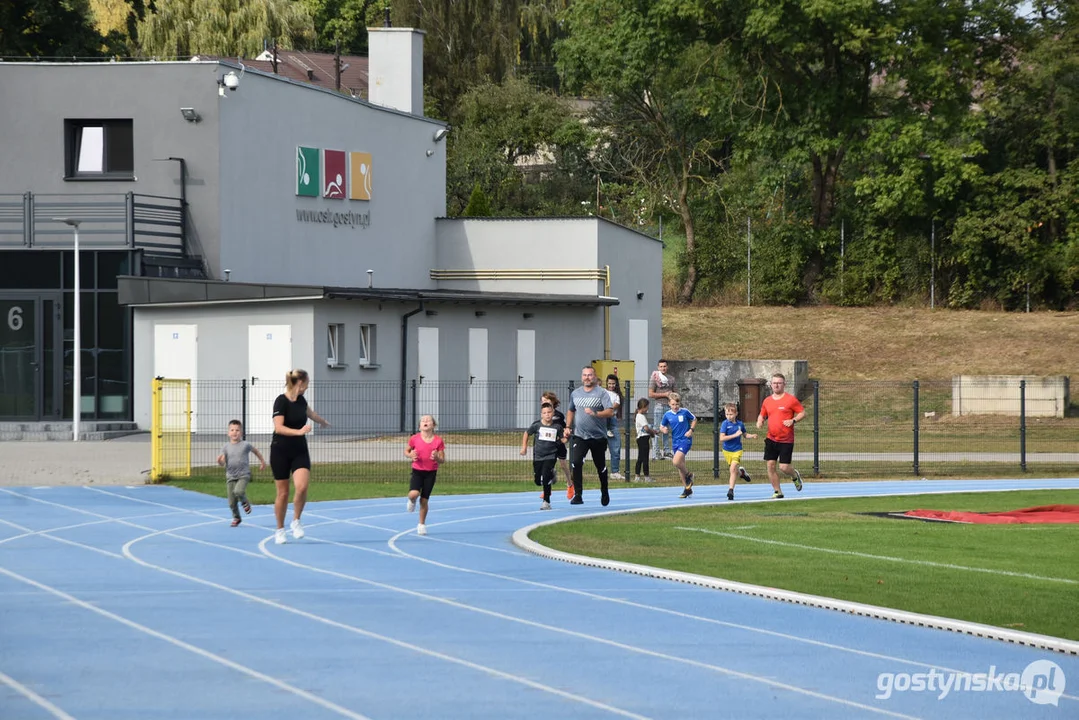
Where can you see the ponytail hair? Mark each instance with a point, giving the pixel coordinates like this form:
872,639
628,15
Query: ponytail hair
294,377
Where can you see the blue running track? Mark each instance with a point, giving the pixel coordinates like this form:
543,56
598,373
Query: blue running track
143,603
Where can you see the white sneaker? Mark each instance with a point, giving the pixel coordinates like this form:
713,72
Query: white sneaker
545,505
636,478
411,505
421,529
648,479
617,476
279,536
297,529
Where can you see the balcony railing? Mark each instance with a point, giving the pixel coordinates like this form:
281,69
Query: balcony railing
107,222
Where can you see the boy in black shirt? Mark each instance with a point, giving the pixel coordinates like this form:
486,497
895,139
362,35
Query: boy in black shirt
548,432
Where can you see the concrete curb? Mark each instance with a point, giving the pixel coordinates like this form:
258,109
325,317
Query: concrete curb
1042,642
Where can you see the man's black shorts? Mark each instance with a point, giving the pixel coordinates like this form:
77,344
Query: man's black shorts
783,452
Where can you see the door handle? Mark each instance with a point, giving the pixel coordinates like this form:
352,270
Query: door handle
520,378
421,379
253,379
471,378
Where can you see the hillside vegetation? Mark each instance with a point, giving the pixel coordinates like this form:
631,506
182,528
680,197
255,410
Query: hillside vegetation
879,343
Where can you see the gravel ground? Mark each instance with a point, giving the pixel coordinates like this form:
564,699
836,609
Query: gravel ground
123,461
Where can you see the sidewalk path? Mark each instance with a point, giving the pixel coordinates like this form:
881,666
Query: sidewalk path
108,462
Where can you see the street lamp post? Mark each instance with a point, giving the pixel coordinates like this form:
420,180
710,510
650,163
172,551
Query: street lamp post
76,380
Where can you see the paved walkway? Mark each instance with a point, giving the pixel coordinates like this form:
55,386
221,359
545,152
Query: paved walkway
109,462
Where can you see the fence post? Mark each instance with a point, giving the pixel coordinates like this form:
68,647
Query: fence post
1023,425
629,423
243,406
715,429
916,414
816,428
415,405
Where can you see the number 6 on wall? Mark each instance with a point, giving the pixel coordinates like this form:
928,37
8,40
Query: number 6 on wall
14,318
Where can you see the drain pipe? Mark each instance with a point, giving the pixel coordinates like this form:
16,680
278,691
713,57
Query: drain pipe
404,359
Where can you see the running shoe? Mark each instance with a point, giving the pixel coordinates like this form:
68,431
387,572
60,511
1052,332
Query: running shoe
577,501
777,495
798,481
297,529
743,474
246,506
235,521
421,529
689,479
730,494
686,493
279,536
411,505
604,498
545,505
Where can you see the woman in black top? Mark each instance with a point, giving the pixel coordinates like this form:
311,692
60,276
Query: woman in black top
288,450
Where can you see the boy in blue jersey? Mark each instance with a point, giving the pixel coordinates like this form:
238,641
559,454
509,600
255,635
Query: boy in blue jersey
679,422
731,433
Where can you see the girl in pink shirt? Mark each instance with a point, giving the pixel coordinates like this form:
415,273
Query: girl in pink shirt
426,451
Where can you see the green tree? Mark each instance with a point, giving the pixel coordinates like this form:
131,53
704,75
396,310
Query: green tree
478,205
229,28
48,29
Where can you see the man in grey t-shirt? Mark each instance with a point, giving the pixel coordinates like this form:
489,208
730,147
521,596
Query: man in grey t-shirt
234,456
586,422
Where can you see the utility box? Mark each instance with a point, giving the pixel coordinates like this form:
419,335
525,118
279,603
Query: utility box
622,368
751,393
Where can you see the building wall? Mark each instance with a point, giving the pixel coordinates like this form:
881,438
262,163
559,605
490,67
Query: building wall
262,123
223,358
39,97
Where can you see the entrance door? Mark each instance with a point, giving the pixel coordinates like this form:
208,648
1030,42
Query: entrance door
477,378
20,358
527,397
427,355
176,356
31,357
269,358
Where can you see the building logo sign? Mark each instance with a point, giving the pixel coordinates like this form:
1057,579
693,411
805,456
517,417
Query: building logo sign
333,175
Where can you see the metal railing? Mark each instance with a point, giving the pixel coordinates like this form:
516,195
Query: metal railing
107,221
852,429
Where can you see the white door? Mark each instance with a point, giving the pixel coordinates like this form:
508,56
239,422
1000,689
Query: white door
427,382
176,356
638,353
527,397
477,378
269,358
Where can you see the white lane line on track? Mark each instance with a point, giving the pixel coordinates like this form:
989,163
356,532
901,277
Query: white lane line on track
584,636
868,556
34,697
593,595
194,649
372,635
280,606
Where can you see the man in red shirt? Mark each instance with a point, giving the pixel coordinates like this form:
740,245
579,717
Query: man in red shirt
782,411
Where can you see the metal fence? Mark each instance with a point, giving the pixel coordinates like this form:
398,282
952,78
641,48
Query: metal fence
852,429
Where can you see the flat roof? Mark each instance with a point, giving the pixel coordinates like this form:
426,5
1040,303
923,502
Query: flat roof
144,291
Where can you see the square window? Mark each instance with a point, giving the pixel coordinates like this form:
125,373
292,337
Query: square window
335,343
99,149
367,345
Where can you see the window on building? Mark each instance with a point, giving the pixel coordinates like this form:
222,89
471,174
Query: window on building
367,345
335,343
99,149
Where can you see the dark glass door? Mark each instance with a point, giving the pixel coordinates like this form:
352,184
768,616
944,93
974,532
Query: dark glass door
20,357
30,346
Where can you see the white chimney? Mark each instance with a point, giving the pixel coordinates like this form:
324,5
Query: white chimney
395,68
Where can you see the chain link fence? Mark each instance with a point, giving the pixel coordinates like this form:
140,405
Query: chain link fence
852,429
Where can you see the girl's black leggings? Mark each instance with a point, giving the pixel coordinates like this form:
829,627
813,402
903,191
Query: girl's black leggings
643,444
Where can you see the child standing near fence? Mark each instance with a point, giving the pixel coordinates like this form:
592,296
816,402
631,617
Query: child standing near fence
426,451
645,433
548,432
731,433
679,423
237,463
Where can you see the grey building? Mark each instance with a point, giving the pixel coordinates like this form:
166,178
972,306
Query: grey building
235,224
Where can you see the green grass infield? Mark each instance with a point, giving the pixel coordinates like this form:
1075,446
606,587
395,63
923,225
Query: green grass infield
1022,577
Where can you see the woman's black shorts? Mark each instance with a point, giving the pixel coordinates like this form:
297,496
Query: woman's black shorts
422,480
284,461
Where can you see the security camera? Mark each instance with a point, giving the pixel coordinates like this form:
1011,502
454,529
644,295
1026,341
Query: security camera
231,80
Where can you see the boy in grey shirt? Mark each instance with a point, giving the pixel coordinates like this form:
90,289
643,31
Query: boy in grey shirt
234,457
